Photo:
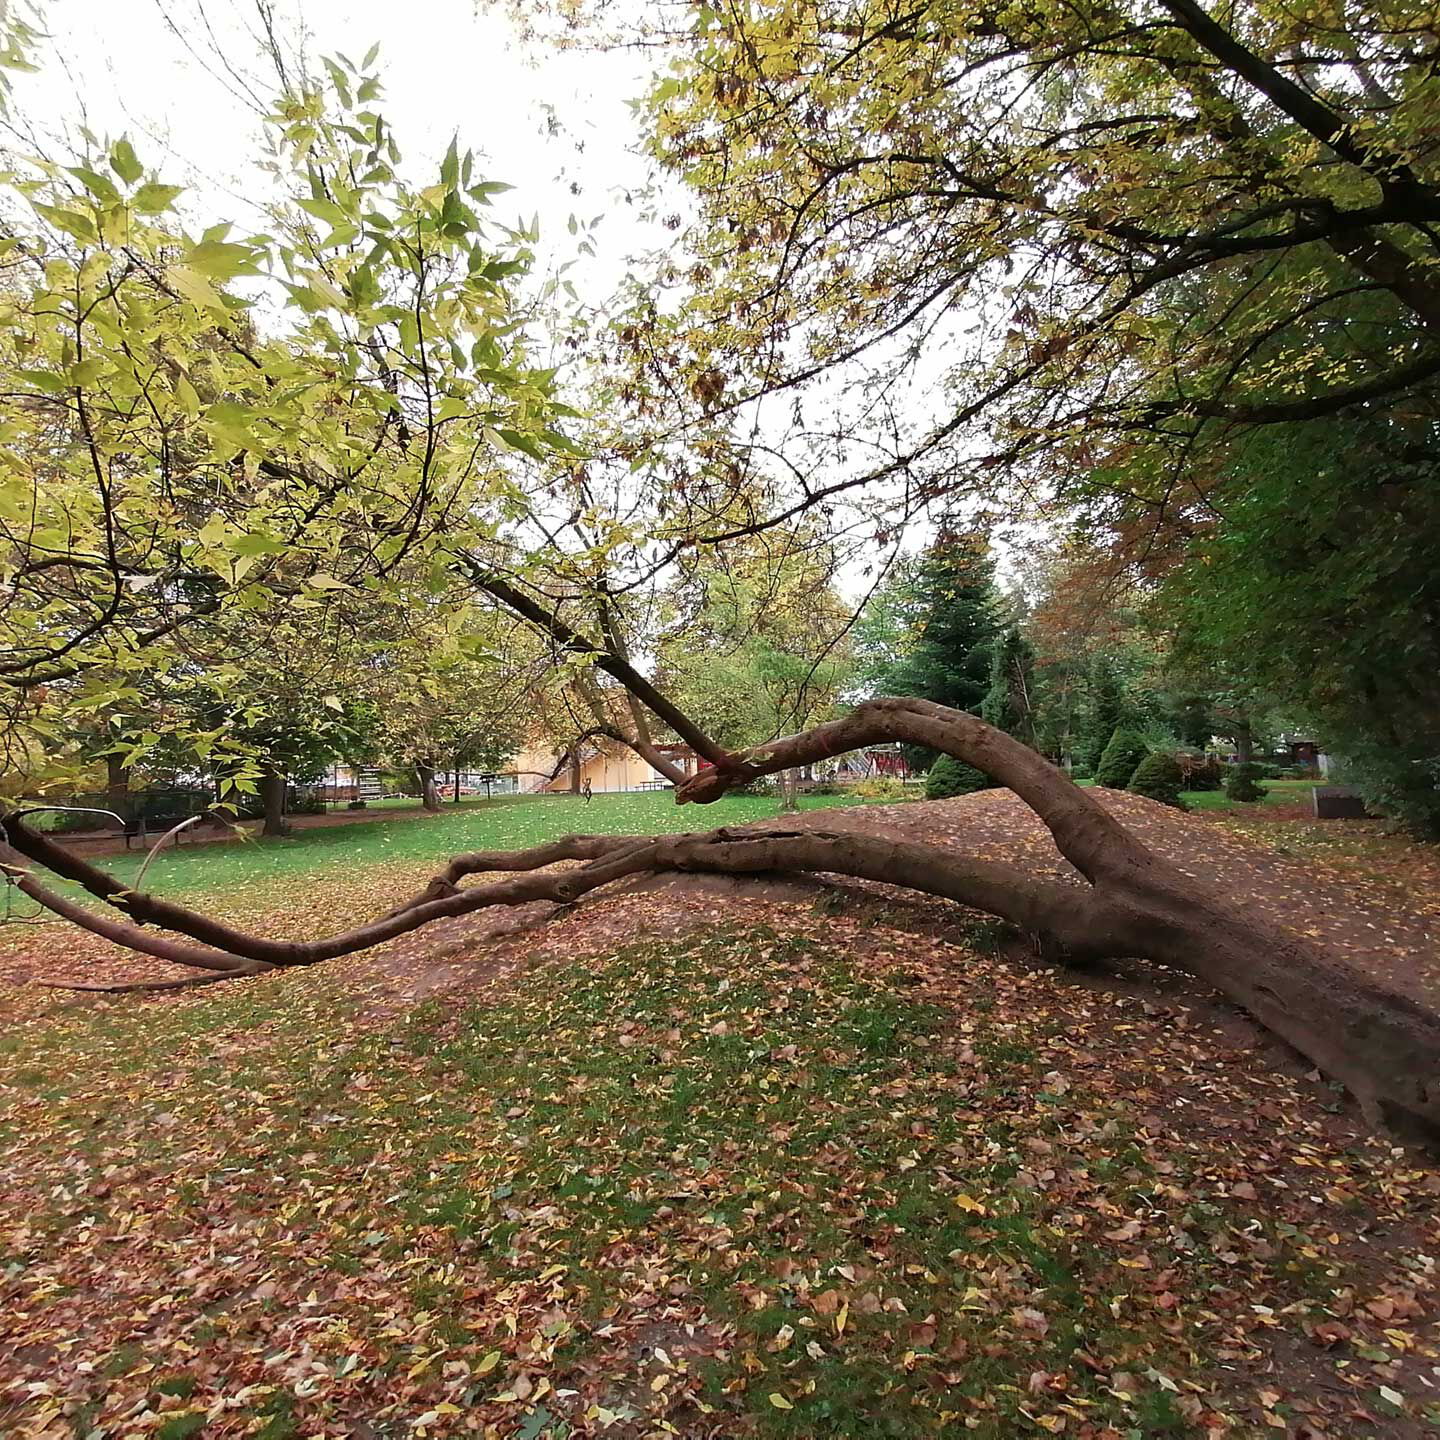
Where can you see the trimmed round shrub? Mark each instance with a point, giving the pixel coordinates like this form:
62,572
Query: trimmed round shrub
1158,777
1240,784
949,777
1117,764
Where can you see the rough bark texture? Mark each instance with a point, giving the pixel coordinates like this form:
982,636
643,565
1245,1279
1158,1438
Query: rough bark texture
1380,1044
429,791
117,782
272,797
1244,742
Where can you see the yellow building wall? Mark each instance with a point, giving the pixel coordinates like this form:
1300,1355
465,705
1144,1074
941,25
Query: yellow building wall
622,771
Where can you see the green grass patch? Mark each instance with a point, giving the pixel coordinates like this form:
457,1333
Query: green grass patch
510,823
1278,792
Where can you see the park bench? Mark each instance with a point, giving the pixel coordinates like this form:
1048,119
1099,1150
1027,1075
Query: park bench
142,827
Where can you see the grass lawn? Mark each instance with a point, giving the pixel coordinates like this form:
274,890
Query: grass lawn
414,841
1278,792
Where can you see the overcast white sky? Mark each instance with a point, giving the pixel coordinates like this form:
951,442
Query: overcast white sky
154,69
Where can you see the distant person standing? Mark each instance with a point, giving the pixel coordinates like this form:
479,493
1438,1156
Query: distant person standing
585,789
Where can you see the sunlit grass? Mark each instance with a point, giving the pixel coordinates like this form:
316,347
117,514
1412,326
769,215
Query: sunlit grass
415,841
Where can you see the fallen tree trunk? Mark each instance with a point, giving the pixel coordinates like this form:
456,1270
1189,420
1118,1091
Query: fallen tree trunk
1383,1046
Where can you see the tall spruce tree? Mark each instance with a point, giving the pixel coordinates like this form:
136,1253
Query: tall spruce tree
1009,703
955,603
1104,714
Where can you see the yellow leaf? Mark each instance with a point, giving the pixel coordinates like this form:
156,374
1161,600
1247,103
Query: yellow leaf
779,1401
194,287
841,1318
185,394
966,1202
488,1363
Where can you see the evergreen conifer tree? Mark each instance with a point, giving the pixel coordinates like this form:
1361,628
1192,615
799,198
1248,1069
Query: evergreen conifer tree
954,590
1009,703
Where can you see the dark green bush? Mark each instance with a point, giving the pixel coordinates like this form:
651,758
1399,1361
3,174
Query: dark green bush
949,777
1117,764
1158,777
1240,784
1394,784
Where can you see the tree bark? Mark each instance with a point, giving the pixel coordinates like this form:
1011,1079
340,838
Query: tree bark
429,791
575,770
117,783
1244,743
789,792
272,797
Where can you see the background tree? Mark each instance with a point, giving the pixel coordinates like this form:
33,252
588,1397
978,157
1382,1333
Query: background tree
1319,582
466,711
1010,702
951,605
167,464
756,638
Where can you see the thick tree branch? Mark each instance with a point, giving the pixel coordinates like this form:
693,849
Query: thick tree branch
1394,175
570,639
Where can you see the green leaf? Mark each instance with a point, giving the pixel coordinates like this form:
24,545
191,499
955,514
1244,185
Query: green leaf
326,210
100,186
517,440
87,372
152,198
557,441
327,294
185,394
72,222
221,260
258,542
45,380
124,163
